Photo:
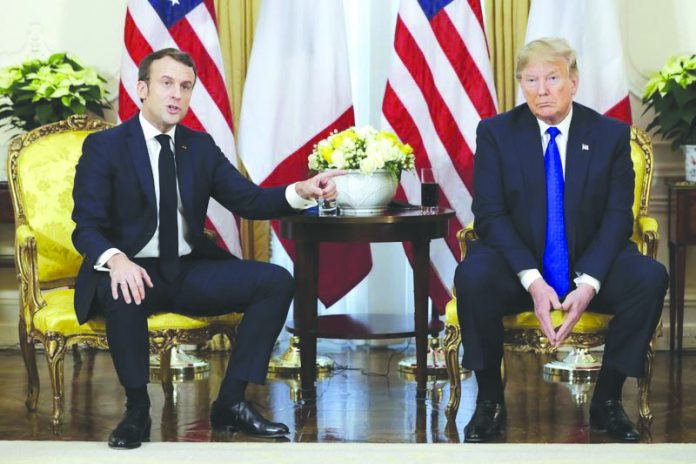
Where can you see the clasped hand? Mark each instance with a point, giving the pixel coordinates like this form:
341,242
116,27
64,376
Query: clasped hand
545,300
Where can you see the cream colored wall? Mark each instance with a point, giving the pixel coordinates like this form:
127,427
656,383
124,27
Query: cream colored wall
93,30
652,31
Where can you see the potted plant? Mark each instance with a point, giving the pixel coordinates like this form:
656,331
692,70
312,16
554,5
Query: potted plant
373,160
39,92
671,93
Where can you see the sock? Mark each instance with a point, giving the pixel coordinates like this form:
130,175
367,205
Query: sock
231,391
609,385
490,385
137,397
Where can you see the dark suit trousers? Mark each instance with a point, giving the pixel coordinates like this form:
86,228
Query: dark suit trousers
204,287
488,289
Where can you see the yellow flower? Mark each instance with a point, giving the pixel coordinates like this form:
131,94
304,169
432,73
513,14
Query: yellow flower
325,150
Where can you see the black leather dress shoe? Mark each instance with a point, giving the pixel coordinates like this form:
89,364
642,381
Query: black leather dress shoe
133,429
609,416
487,423
243,417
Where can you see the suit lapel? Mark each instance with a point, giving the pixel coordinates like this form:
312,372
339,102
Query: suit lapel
578,154
531,157
141,160
184,169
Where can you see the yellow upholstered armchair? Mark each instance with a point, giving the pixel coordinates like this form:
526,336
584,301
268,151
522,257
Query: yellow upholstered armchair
41,170
522,331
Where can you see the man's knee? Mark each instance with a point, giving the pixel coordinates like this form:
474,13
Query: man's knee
282,279
474,276
652,278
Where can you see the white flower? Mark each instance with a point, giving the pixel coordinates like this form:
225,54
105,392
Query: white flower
339,159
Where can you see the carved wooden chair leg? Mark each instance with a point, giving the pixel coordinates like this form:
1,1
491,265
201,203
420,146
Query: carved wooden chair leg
29,355
165,356
77,356
644,386
55,353
453,340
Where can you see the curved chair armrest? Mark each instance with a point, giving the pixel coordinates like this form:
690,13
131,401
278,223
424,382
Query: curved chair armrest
649,235
31,299
464,236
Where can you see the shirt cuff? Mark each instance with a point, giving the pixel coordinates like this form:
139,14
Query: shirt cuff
296,201
528,276
589,280
104,257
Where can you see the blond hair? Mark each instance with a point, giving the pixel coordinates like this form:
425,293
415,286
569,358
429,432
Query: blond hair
549,50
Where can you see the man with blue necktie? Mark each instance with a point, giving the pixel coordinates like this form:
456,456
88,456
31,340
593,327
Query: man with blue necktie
553,183
141,195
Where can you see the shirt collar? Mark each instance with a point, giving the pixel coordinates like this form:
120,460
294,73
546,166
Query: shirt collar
563,126
150,131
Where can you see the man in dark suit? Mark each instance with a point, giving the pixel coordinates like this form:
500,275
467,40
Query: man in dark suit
553,183
141,195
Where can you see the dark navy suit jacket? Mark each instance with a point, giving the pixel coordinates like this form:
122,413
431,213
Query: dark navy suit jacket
114,196
510,190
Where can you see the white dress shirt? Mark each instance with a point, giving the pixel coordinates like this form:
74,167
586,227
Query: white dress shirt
151,249
528,276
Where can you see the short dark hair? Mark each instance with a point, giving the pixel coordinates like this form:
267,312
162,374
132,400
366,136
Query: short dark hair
173,53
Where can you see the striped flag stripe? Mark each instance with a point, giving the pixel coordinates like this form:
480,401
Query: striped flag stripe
444,123
440,86
475,6
444,78
394,110
463,64
412,105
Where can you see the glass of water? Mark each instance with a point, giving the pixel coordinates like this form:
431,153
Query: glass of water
327,207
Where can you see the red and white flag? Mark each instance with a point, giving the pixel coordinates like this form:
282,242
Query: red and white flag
440,86
188,25
592,29
297,91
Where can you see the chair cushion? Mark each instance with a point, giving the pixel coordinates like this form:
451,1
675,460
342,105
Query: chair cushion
589,322
59,316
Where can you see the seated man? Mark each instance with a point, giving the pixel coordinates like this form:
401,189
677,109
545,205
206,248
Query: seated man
554,189
141,195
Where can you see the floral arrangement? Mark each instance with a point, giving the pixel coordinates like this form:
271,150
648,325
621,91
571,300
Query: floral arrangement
672,94
39,92
363,148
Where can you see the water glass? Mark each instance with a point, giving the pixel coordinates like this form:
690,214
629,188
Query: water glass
327,207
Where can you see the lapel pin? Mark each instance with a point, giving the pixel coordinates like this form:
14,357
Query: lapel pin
184,147
585,147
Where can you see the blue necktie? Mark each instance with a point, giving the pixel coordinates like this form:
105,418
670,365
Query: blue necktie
556,269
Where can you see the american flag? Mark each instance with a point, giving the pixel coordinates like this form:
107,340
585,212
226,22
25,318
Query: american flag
188,25
440,86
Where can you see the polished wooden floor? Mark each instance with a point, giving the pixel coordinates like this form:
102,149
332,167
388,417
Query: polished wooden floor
365,401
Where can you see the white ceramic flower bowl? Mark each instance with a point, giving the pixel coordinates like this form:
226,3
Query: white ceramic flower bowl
361,193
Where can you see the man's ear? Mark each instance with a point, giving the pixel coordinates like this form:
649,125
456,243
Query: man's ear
575,79
142,90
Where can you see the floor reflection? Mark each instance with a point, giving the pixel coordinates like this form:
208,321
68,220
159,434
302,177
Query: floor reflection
364,400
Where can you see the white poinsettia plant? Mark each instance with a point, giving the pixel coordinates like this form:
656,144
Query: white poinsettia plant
363,148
